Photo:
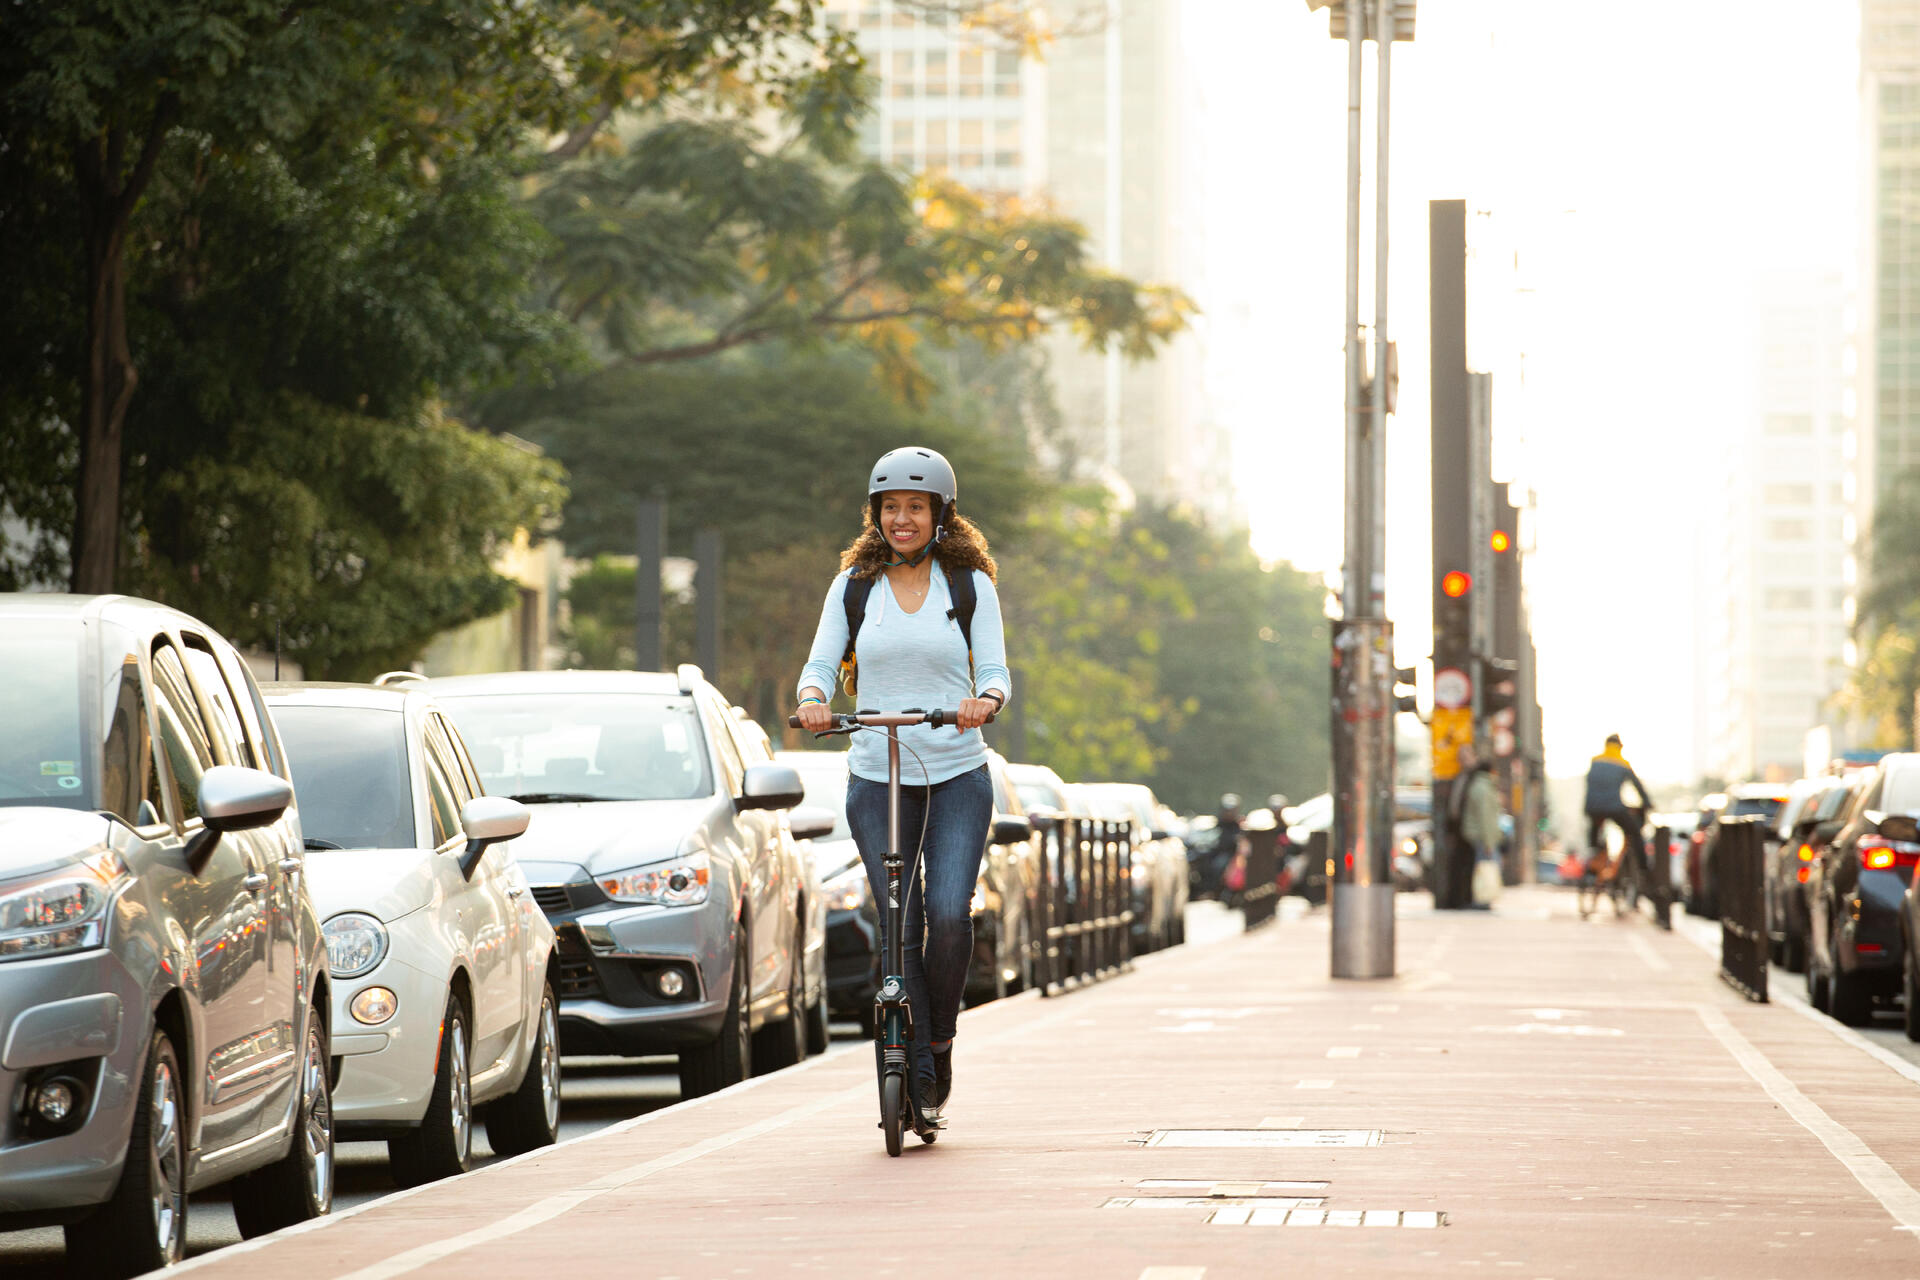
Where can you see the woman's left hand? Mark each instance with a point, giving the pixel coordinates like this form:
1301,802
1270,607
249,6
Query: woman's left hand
974,712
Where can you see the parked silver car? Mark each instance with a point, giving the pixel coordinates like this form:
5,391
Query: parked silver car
1160,887
164,998
662,855
445,1003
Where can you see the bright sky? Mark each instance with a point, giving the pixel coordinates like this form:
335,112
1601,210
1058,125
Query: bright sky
1646,164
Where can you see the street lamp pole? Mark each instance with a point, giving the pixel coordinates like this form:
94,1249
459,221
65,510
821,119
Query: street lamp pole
1363,704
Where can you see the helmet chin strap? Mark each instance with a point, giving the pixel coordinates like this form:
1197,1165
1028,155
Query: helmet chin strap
939,532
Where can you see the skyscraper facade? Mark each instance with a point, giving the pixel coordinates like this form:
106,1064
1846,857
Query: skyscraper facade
1889,409
1092,129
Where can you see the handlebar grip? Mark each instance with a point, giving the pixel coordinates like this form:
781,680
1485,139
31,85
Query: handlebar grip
793,722
939,719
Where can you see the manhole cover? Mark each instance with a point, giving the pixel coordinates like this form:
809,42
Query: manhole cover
1264,1138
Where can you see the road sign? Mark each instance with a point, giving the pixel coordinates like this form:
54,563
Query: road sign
1452,730
1452,689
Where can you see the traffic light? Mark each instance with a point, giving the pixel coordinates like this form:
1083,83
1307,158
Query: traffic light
1498,685
1404,677
1454,584
1502,541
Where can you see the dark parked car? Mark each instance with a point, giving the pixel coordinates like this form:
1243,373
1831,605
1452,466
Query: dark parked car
853,917
164,993
1003,897
1805,824
1763,798
1856,891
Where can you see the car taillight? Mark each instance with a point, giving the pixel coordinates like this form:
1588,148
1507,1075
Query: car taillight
1805,874
1878,853
1806,853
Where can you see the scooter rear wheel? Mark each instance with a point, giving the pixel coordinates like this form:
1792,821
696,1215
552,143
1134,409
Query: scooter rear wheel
893,1109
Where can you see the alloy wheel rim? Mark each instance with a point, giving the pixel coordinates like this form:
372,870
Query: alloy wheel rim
163,1153
743,1031
550,1065
462,1092
317,1094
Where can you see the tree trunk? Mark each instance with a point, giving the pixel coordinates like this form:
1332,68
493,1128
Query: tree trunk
105,394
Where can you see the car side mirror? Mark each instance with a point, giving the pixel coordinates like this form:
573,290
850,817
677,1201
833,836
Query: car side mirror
232,798
1011,829
810,822
488,820
770,786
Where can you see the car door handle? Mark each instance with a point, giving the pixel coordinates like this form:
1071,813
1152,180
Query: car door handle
257,881
290,865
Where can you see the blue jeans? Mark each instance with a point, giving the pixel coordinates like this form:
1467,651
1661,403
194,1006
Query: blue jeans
937,940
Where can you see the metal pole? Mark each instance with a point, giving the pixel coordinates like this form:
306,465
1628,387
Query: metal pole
707,599
1354,587
651,544
1377,550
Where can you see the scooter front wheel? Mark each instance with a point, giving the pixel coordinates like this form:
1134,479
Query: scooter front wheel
893,1108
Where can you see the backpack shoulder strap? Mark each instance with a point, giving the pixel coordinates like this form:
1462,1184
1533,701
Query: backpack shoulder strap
855,599
960,588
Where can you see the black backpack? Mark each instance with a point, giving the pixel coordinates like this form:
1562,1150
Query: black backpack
959,587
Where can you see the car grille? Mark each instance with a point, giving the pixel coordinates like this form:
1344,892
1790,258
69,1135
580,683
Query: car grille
552,898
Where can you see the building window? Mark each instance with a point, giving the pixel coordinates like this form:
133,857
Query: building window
936,72
1789,530
1789,424
936,144
1788,598
902,78
1788,495
972,73
972,144
902,140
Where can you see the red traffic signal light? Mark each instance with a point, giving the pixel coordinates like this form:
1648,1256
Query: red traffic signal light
1455,584
1501,541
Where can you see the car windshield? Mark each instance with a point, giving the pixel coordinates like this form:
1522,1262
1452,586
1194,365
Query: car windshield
825,783
44,758
555,747
350,775
1037,795
1766,806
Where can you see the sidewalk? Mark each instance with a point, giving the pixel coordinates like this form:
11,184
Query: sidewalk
1533,1096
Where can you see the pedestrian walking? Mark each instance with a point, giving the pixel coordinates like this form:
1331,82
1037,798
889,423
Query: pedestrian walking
913,620
1480,827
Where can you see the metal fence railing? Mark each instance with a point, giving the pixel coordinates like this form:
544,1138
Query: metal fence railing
1739,874
1084,901
1660,873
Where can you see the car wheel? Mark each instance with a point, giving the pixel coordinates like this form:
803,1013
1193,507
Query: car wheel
729,1059
784,1043
529,1117
144,1226
299,1186
1910,998
443,1144
1793,953
1816,984
1848,999
819,1034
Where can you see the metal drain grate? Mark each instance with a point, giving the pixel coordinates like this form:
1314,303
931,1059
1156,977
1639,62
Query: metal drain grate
1417,1219
1214,1187
1264,1204
1264,1138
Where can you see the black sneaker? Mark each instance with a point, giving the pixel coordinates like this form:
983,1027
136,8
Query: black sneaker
925,1090
942,1075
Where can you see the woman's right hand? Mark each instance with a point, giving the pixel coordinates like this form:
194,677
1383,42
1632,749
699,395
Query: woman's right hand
815,717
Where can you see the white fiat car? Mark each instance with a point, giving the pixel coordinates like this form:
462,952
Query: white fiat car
443,1003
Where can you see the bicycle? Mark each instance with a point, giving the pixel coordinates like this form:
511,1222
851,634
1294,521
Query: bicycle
892,1011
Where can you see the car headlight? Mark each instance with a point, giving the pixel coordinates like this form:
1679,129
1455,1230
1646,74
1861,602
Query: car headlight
847,891
60,911
1410,846
679,883
355,944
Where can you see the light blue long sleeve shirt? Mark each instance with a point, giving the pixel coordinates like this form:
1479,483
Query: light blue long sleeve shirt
916,659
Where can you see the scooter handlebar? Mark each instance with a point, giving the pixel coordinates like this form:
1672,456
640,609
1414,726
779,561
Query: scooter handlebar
881,720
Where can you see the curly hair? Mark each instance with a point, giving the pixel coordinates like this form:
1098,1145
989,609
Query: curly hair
962,546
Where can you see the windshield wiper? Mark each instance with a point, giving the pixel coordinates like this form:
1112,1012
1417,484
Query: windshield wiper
556,797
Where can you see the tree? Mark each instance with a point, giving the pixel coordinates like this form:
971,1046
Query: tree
703,235
1883,686
96,97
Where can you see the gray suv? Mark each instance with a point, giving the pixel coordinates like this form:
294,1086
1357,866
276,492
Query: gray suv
663,856
163,981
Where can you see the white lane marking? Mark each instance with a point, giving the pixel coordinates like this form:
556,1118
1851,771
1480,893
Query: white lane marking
1708,941
1314,1084
1644,949
1868,1169
1173,1273
1344,1051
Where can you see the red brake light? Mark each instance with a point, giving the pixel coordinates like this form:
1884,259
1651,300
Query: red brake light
1877,853
1878,859
1805,874
1806,853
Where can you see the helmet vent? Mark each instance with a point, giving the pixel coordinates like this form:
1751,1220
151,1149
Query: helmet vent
916,477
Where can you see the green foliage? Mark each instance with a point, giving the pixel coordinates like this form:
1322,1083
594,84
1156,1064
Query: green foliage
360,538
1882,687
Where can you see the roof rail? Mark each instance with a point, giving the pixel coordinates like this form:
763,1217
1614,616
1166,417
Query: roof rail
690,675
387,678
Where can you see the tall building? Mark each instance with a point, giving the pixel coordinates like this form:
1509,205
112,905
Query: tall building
1094,130
1777,629
1889,385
